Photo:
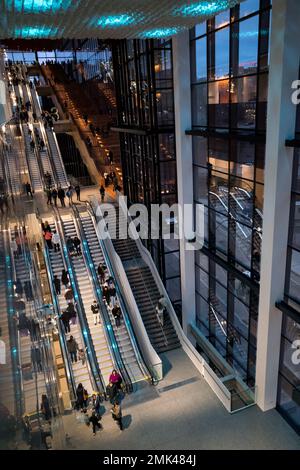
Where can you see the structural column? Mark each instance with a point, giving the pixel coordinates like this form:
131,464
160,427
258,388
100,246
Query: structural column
184,158
284,68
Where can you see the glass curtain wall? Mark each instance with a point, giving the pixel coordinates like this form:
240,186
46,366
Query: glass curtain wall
288,399
229,69
144,87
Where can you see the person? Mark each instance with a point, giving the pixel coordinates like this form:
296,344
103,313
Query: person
69,294
101,272
69,195
70,245
81,356
19,288
110,157
28,291
61,196
56,241
42,145
65,278
94,419
45,408
117,414
49,196
77,190
106,294
46,227
36,359
96,404
54,196
116,311
48,239
160,311
72,348
56,283
102,192
32,145
77,244
80,402
28,189
115,379
65,318
14,248
48,179
95,308
112,293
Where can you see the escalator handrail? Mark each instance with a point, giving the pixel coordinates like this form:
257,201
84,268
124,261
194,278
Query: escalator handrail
123,305
84,327
108,330
62,337
13,330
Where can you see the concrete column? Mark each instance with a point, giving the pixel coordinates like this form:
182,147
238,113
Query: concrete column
184,158
284,67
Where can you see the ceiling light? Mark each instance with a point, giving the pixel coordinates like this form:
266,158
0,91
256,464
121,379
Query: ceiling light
35,32
160,33
115,21
203,8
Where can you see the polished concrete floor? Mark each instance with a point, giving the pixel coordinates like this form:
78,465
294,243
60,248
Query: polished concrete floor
181,413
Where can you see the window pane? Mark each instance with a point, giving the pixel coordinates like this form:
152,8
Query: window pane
243,99
218,99
248,45
222,19
242,159
249,6
199,100
200,150
198,60
200,185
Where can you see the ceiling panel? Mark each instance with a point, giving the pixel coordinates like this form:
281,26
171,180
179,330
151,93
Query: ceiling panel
107,19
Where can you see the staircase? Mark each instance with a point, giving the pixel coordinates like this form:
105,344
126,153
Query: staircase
121,333
86,292
62,179
145,291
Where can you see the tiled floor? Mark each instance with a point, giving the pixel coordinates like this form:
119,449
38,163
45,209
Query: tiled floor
186,416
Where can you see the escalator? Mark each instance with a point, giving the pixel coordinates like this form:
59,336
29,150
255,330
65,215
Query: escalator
32,161
80,372
136,371
87,293
61,175
33,378
144,288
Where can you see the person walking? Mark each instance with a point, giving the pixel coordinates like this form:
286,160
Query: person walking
28,189
80,402
49,196
96,404
18,288
46,227
45,408
95,308
28,291
65,318
112,294
48,239
77,246
56,241
102,192
70,246
106,294
69,195
54,196
65,278
117,414
116,311
94,419
57,285
69,295
77,191
61,196
101,272
72,348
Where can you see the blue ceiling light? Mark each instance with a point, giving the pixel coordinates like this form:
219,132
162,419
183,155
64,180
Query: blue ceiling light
160,33
40,6
32,32
202,8
115,21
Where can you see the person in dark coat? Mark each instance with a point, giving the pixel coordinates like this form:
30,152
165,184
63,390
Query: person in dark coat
19,287
56,283
54,196
116,311
28,189
28,291
72,348
65,278
77,244
65,318
94,419
80,396
101,272
77,191
36,359
61,196
70,245
45,408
